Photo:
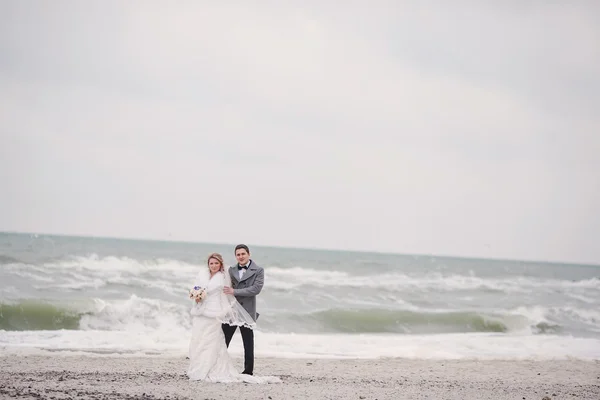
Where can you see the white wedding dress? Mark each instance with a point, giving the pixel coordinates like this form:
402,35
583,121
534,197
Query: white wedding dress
209,359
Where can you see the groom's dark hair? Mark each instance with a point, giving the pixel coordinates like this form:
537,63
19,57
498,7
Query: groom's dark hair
242,246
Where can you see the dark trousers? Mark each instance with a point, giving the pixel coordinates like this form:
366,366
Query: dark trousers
248,339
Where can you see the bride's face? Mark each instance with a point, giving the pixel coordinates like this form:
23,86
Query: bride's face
214,265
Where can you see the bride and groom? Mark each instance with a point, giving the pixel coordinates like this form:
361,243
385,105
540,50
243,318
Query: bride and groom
229,302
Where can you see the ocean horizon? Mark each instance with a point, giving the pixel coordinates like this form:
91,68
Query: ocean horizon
128,296
307,248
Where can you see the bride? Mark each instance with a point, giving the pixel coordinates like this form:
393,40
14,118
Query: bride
209,359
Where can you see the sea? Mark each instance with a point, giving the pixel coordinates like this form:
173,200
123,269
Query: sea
118,297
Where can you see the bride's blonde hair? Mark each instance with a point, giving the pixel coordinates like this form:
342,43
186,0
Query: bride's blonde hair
219,258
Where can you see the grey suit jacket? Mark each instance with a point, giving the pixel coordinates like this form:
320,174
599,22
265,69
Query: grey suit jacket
245,290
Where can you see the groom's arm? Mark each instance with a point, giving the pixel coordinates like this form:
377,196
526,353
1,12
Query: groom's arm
255,288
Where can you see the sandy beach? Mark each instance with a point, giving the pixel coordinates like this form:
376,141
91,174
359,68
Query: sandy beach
60,376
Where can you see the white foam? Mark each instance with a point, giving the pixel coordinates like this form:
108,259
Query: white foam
589,316
539,314
167,274
582,298
287,278
136,314
33,276
534,314
448,346
93,272
115,266
9,291
138,325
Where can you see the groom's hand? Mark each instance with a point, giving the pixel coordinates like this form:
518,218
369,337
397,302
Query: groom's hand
227,290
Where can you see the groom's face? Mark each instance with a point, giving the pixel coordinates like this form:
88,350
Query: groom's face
242,256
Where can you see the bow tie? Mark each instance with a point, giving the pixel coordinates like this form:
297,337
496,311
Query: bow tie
240,267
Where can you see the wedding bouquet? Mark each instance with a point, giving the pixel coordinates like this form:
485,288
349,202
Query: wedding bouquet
197,293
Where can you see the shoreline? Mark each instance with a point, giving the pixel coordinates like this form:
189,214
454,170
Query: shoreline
64,376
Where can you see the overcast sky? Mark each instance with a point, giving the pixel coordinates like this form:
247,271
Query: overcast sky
436,127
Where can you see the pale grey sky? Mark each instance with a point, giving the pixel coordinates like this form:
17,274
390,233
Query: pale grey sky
460,128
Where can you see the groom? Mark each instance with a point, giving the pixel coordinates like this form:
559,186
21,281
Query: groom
247,280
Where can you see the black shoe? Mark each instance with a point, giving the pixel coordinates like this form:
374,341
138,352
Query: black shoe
246,373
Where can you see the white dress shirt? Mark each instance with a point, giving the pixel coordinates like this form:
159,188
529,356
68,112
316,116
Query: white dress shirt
242,271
